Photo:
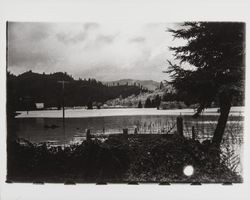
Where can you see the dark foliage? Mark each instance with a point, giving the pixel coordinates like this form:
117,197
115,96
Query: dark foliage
90,105
216,51
151,158
161,85
90,161
155,103
25,90
139,104
170,97
148,103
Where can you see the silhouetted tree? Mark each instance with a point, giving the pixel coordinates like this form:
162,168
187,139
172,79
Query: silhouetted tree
170,97
148,103
157,101
90,105
217,53
139,104
161,85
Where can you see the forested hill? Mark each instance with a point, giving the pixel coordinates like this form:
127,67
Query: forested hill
29,88
148,84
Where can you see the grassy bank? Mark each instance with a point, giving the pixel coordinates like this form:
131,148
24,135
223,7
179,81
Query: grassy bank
140,158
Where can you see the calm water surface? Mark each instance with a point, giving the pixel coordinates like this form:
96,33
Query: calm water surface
51,129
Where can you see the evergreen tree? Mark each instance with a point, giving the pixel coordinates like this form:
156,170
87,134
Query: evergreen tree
90,105
161,85
148,103
157,101
153,105
140,104
216,52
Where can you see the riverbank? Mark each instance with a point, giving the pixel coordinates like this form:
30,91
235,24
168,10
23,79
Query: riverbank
119,158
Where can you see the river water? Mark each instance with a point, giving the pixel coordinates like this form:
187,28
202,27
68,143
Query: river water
47,126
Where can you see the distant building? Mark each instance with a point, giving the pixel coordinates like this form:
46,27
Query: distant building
39,106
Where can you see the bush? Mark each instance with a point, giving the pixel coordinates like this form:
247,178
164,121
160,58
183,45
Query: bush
137,157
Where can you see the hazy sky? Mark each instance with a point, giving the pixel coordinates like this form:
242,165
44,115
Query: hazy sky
102,51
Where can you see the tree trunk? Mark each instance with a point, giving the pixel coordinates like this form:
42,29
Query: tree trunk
225,105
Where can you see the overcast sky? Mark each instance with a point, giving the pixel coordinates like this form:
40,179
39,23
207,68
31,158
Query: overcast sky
102,51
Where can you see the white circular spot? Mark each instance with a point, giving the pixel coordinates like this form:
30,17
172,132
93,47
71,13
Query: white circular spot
188,170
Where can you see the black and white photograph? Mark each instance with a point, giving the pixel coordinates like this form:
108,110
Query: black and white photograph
125,103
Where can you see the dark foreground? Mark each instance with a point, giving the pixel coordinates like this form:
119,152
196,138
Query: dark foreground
119,159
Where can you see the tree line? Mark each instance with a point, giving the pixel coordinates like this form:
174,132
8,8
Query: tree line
26,89
154,103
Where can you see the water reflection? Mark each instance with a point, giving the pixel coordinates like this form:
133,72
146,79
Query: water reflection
51,129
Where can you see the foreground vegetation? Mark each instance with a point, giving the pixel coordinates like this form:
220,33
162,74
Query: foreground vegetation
119,158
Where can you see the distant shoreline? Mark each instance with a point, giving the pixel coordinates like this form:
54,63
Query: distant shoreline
85,113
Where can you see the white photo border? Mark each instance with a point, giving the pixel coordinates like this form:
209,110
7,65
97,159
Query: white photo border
113,11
